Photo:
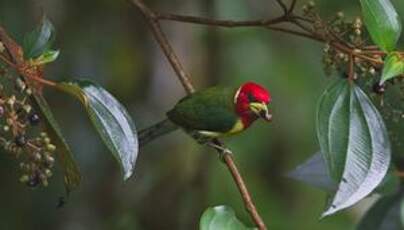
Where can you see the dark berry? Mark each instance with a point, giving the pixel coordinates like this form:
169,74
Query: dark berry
34,119
20,141
33,181
379,89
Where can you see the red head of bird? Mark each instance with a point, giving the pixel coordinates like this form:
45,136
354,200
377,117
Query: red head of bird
252,102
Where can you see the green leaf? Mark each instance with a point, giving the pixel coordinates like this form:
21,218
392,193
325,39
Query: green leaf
39,40
220,218
393,67
354,142
383,215
314,172
45,58
70,169
110,119
382,22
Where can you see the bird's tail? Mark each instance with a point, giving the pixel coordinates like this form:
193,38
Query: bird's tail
161,128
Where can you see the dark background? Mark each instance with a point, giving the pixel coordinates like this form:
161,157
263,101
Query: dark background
175,179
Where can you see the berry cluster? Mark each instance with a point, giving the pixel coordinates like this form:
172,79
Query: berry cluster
20,133
350,33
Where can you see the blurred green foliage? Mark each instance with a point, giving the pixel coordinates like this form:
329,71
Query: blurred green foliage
175,179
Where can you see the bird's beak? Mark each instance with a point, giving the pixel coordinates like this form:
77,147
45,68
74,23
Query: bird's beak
261,110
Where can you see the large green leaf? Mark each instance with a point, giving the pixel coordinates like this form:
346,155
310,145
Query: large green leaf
110,119
393,67
382,22
383,215
220,218
39,40
70,169
354,142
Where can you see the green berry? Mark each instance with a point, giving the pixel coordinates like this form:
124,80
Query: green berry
50,147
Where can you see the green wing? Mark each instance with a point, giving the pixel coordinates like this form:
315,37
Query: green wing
210,110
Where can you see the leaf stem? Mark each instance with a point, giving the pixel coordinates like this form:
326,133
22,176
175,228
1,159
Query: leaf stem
18,63
8,62
351,71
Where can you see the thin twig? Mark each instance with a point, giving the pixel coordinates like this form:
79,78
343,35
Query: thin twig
12,47
351,71
165,45
216,22
292,6
283,6
8,62
297,33
249,204
262,23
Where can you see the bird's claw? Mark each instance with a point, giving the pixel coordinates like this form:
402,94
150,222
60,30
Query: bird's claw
223,153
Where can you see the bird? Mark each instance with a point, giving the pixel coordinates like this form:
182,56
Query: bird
213,113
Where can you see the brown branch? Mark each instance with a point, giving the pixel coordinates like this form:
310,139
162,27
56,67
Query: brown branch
271,24
153,21
283,6
248,202
261,23
165,45
222,23
297,33
8,62
292,6
351,71
12,47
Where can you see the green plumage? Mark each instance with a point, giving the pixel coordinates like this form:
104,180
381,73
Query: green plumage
212,109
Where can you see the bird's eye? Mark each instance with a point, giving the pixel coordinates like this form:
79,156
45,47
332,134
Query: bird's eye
251,98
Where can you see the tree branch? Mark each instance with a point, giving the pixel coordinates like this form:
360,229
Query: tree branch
292,6
153,21
248,202
222,23
261,23
283,6
165,45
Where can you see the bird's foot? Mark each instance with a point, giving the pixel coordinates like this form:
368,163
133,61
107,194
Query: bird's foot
223,151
